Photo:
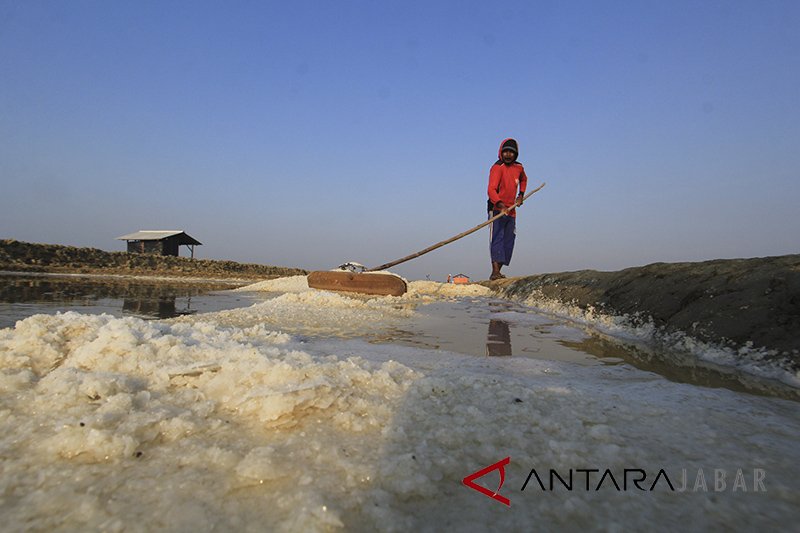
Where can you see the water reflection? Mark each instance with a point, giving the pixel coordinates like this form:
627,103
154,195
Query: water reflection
498,338
164,307
23,295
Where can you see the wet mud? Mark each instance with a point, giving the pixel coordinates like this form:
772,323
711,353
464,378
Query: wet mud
752,303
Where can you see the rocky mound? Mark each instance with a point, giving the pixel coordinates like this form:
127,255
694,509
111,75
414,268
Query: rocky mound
28,257
736,302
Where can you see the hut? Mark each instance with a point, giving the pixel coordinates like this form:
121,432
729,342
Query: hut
159,242
460,278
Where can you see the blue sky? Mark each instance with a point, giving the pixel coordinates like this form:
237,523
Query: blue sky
316,133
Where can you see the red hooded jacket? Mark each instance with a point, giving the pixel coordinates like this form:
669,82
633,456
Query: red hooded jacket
504,180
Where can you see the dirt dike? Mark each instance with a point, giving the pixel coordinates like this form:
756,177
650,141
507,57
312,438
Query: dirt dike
733,302
20,256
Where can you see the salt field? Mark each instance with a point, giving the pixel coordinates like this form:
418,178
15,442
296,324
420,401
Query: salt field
314,411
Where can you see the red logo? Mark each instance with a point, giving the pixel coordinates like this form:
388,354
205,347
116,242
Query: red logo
500,465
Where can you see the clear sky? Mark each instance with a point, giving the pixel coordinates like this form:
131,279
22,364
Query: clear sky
312,133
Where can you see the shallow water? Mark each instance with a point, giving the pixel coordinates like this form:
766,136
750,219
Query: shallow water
24,295
492,327
312,411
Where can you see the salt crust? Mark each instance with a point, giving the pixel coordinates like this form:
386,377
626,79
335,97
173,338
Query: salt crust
416,289
287,284
221,422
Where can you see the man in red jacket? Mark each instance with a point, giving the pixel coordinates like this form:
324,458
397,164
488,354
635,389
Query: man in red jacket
507,182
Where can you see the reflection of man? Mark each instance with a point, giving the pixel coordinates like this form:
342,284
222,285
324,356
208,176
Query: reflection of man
498,339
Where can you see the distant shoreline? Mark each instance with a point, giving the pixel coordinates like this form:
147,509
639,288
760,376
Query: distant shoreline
54,259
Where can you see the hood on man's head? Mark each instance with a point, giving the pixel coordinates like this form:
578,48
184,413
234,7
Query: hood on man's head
508,144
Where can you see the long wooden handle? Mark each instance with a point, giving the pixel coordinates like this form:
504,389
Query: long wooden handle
460,235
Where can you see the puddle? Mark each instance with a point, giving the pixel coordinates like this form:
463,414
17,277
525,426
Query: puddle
25,295
498,328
